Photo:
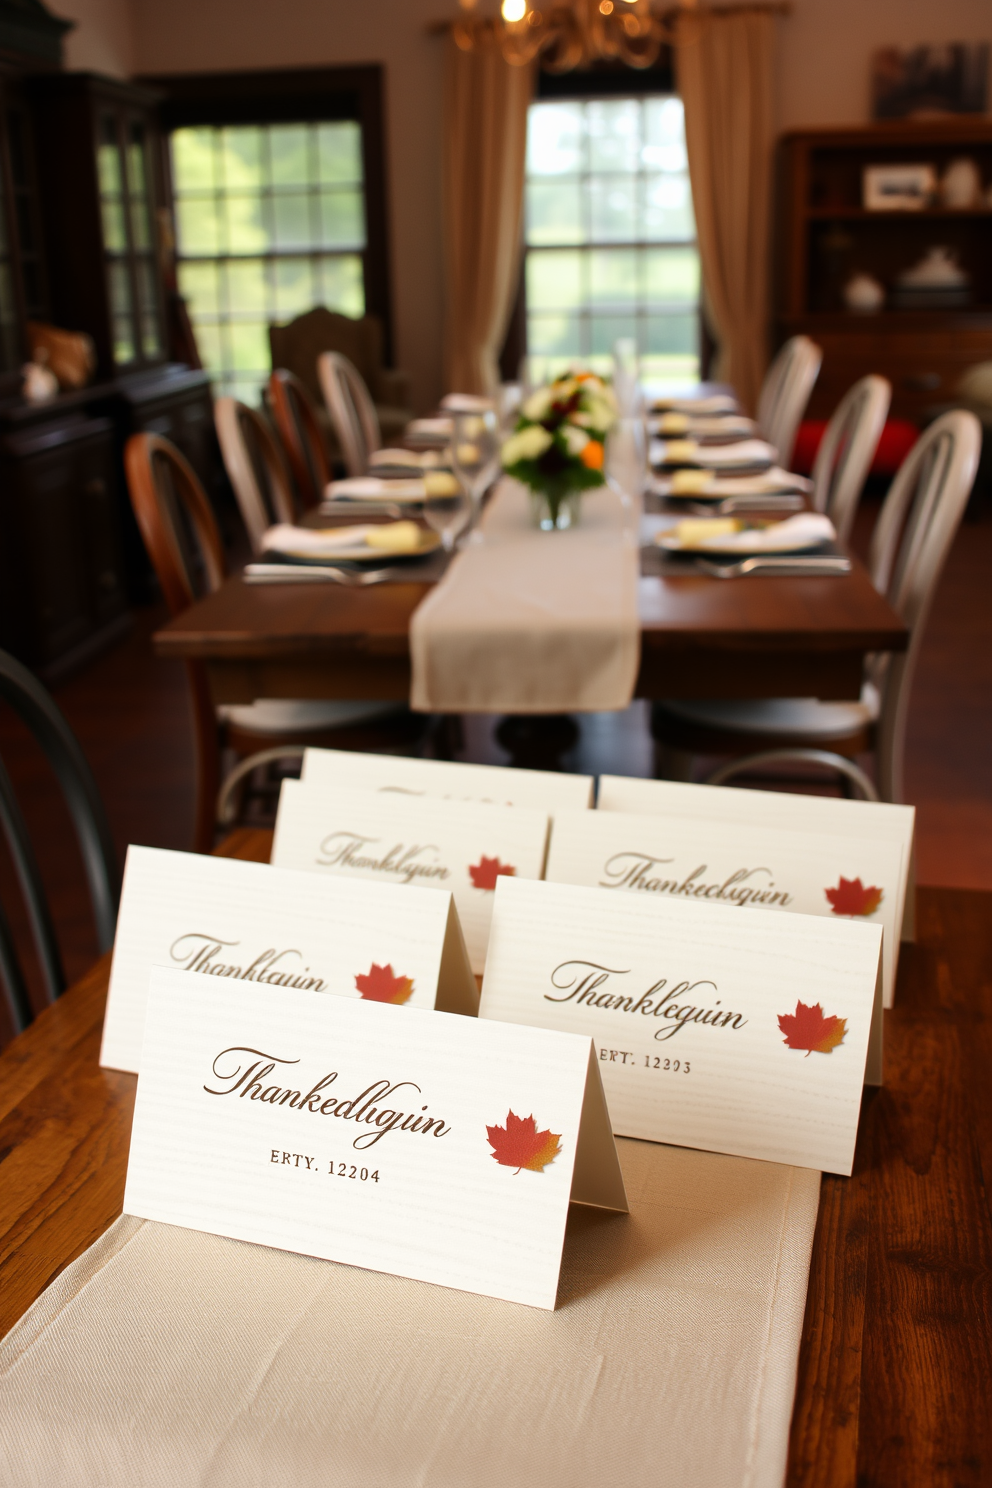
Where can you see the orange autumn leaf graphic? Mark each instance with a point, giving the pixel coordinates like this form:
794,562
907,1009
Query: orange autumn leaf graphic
808,1029
486,871
520,1145
380,985
850,897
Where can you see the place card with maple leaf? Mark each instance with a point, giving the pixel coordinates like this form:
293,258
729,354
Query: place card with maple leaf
486,871
379,984
807,1028
851,897
520,1145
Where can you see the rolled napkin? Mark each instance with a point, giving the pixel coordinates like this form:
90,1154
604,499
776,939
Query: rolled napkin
390,537
165,1358
805,529
532,622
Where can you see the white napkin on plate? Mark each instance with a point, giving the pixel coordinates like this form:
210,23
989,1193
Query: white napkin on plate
373,488
284,538
713,456
802,530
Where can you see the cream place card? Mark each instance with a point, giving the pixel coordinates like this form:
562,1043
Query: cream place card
736,865
543,790
428,1146
421,842
750,1034
245,924
876,821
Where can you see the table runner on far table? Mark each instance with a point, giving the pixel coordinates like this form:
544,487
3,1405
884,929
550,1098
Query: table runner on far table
532,622
166,1358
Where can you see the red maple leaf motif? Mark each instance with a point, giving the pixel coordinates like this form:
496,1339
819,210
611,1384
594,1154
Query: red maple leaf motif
520,1145
486,871
850,897
380,985
808,1029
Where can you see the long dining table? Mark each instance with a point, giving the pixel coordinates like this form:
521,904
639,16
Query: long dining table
700,637
896,1352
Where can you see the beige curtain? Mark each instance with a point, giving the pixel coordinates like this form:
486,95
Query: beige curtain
485,137
724,69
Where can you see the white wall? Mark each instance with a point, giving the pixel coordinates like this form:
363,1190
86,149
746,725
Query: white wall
823,78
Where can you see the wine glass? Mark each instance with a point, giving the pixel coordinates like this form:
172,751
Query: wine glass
447,508
475,444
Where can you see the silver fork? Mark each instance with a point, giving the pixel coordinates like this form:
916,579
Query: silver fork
828,564
285,573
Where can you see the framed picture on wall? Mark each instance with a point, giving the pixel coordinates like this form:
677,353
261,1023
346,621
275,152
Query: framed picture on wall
927,80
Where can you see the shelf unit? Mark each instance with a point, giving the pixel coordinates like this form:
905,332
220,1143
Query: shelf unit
825,235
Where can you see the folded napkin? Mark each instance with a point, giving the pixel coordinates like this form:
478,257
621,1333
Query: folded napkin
729,426
374,488
802,529
391,537
712,456
465,403
706,483
532,622
405,462
719,403
166,1358
429,428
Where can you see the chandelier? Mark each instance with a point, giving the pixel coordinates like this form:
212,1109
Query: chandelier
571,33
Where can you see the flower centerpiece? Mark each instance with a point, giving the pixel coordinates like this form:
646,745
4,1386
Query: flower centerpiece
557,446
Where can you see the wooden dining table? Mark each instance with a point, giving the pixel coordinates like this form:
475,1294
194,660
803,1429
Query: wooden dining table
752,637
896,1356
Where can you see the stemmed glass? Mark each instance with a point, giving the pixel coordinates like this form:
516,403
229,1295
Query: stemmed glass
447,508
475,445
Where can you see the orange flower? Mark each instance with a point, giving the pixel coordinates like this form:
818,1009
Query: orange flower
592,455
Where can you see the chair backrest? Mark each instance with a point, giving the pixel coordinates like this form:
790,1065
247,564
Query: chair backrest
184,545
352,411
912,538
785,393
39,712
295,419
255,467
847,449
298,344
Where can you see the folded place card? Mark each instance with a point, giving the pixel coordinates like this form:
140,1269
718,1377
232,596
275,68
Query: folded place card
422,842
735,865
544,790
877,820
740,1033
437,1148
248,924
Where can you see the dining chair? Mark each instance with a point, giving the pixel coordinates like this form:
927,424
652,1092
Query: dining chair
785,393
255,467
184,545
40,714
298,427
846,451
909,546
352,411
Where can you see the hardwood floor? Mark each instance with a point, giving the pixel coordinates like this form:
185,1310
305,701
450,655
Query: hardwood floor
129,711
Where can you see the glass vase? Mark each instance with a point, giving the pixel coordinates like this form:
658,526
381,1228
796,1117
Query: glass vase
554,513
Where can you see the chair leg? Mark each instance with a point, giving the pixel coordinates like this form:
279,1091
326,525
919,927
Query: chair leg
671,764
845,768
228,798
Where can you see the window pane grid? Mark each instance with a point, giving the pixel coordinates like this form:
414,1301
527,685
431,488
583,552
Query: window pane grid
610,236
270,221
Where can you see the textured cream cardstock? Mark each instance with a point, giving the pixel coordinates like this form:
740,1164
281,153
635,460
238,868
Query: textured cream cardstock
248,924
740,1033
874,821
429,1146
497,785
735,865
384,837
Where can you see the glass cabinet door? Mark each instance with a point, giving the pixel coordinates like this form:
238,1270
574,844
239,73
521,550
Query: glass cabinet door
129,240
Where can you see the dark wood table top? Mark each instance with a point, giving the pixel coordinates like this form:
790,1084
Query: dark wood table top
896,1357
700,636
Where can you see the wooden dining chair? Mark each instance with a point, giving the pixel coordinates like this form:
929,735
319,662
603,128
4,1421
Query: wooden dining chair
299,429
184,545
846,451
912,538
351,410
785,393
255,467
40,714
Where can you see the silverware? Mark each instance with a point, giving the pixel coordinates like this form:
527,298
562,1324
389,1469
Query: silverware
770,564
781,501
287,573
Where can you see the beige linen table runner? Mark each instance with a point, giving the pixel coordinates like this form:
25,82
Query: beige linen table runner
165,1358
532,622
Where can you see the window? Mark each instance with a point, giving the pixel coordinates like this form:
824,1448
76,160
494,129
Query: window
610,236
270,221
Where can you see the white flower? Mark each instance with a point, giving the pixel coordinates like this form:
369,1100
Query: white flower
528,444
575,439
537,405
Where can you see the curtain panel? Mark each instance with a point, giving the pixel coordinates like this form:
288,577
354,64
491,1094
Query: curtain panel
724,69
485,142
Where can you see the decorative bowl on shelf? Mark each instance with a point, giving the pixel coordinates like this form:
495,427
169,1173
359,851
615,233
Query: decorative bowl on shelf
863,294
937,282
